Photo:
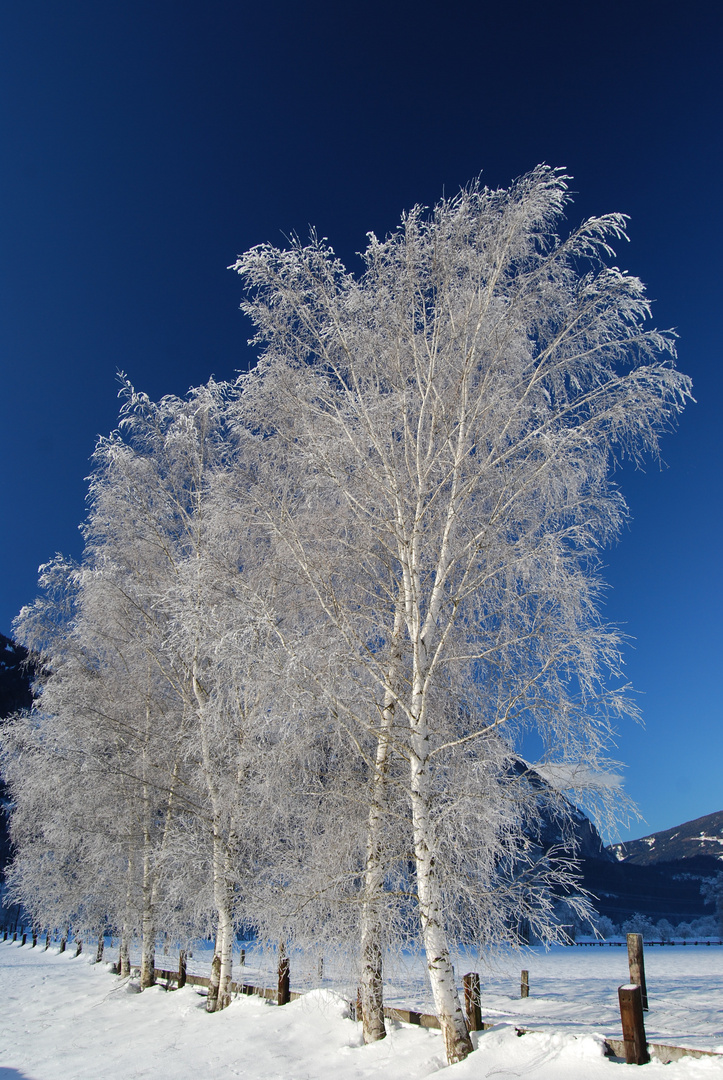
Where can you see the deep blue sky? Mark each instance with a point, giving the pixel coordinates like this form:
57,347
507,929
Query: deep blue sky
143,145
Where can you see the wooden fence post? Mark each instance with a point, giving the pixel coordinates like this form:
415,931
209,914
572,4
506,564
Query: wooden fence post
78,946
524,984
283,996
636,965
47,941
25,938
35,938
242,958
62,944
100,948
631,1014
472,1000
181,968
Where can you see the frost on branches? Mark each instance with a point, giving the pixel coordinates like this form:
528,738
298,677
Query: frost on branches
320,609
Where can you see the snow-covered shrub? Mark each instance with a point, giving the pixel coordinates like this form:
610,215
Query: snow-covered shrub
606,927
640,924
705,927
712,890
665,930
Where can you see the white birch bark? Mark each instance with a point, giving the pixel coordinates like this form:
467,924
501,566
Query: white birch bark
221,973
372,931
148,946
126,932
446,998
125,953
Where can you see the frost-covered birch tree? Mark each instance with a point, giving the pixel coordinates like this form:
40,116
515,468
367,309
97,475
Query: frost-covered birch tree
454,416
155,675
98,751
168,510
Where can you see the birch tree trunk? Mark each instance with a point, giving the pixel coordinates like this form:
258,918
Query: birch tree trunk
148,948
219,994
125,946
220,990
151,885
125,954
215,978
372,931
226,925
446,999
372,984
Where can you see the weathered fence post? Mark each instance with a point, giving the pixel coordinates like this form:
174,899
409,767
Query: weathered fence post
636,964
78,946
472,1001
47,941
631,1015
242,958
181,968
62,944
35,938
99,950
524,984
25,938
283,996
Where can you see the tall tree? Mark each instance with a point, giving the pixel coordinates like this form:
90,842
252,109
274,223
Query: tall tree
458,410
167,524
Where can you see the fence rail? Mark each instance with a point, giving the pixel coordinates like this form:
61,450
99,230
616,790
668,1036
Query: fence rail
614,1047
622,944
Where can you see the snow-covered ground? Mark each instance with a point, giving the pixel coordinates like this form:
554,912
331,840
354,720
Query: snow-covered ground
64,1018
571,989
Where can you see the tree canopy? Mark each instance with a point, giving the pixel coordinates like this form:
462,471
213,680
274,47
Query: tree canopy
320,609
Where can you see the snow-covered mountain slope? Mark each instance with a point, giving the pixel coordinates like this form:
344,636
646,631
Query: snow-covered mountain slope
691,840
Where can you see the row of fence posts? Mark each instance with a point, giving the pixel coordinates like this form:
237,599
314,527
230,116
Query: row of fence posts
632,997
23,934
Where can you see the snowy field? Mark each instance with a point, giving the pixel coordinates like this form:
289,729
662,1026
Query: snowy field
64,1018
571,989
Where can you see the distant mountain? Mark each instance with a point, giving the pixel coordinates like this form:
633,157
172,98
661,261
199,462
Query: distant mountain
701,838
659,875
15,693
622,886
668,891
14,678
